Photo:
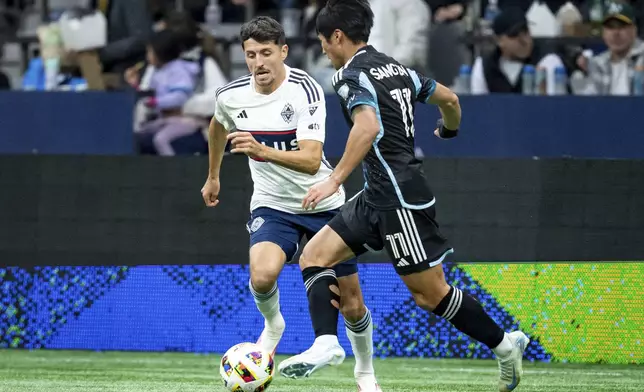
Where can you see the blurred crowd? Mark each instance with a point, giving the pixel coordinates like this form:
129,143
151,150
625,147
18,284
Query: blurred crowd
175,53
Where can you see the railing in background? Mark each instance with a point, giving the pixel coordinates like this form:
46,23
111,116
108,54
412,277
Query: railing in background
66,123
495,126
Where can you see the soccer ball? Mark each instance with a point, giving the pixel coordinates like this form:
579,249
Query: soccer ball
247,367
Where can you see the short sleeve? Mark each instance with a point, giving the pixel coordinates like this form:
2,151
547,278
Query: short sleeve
424,86
354,89
221,114
311,118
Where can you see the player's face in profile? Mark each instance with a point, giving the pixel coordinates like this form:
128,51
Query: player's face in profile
331,48
264,59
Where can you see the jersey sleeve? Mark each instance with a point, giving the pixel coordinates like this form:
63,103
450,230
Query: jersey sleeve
354,89
424,86
221,114
311,116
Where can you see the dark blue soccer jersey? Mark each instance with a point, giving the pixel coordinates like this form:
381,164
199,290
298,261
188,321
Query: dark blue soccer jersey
394,178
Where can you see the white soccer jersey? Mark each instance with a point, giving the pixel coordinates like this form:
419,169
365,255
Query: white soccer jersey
295,111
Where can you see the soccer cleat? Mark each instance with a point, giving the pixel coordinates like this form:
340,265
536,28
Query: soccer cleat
271,335
367,383
311,360
511,367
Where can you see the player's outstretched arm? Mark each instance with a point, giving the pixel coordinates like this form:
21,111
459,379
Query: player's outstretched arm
448,105
364,131
216,146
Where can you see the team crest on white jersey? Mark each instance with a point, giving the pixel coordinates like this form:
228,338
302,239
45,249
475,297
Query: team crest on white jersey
288,112
257,223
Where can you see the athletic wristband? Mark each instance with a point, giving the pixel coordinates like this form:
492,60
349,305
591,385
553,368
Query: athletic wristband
445,133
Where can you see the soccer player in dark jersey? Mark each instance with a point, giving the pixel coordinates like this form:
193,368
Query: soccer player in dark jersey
396,209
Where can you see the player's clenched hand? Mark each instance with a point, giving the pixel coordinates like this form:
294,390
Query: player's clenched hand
210,192
444,133
245,143
319,192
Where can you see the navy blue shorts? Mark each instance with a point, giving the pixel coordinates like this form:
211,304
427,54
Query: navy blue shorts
287,230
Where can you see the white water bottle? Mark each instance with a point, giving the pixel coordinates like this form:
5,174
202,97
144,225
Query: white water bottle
561,81
465,80
528,79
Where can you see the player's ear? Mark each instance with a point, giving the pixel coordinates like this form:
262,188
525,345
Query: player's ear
337,35
284,52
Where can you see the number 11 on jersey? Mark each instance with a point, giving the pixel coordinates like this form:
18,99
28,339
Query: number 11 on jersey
403,96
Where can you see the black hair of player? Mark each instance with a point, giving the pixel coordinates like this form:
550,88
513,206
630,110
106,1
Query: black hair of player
166,45
263,29
353,17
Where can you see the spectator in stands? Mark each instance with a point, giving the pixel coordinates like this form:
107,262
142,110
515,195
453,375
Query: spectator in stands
172,84
447,46
611,71
199,47
129,24
501,70
401,30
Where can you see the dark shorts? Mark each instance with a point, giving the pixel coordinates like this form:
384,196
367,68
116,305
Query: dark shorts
287,230
411,237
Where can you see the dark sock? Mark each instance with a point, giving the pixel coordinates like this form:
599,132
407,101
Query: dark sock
468,316
324,315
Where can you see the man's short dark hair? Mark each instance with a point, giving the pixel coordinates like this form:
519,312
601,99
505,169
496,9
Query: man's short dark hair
353,17
263,29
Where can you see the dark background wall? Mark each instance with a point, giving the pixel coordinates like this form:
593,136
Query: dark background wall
75,210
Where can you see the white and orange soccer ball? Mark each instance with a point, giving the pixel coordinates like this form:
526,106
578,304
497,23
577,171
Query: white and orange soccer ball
246,367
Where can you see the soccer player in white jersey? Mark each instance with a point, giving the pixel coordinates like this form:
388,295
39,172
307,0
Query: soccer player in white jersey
276,116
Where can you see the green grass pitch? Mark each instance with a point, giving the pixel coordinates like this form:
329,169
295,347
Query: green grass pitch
79,371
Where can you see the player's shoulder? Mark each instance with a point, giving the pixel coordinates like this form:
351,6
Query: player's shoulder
359,66
303,85
349,72
236,86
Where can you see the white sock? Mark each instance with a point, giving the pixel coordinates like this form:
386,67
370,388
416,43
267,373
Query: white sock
268,304
504,348
326,341
360,334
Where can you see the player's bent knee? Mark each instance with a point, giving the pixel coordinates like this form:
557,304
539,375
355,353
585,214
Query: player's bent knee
263,283
325,249
266,263
311,257
264,276
428,297
426,302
